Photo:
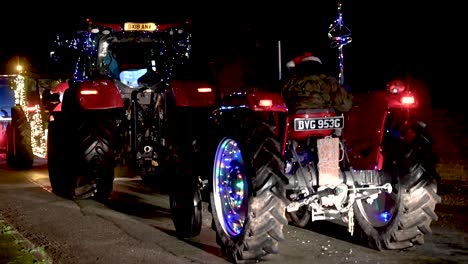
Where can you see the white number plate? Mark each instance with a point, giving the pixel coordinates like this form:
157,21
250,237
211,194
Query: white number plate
305,124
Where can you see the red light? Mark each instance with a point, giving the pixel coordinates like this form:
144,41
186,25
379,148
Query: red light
407,100
204,90
31,108
396,86
265,103
88,92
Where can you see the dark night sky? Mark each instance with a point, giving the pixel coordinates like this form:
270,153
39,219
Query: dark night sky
389,37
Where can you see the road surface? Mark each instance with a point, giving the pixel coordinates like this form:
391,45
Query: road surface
134,226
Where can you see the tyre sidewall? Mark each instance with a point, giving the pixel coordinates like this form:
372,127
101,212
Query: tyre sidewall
58,159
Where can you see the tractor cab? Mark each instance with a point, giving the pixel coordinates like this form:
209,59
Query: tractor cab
134,54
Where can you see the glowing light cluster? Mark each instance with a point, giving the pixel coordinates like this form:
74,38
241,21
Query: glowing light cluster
340,35
20,91
231,187
38,135
385,216
407,100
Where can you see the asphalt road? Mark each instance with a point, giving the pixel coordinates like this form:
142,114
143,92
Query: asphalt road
134,226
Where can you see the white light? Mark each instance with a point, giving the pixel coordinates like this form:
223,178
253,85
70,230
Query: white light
407,100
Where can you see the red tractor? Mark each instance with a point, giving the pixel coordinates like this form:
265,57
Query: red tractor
371,168
257,163
135,98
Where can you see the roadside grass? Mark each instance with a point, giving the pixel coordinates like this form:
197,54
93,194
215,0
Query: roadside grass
16,250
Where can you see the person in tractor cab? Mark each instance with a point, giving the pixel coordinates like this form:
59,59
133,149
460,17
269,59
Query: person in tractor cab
311,87
111,64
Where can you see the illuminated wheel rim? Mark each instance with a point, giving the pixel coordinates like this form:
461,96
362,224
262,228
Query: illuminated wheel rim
230,187
380,211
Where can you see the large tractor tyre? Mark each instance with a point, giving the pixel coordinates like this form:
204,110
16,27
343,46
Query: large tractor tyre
57,161
248,200
185,197
19,149
186,209
186,124
97,156
401,219
82,158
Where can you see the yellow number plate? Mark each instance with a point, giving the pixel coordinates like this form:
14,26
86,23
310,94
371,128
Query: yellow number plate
140,26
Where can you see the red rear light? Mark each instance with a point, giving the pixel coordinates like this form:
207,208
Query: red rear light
88,92
31,108
407,100
265,102
204,90
396,86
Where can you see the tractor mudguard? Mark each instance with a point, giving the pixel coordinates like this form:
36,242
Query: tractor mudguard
364,128
98,94
373,122
193,93
268,106
266,101
260,101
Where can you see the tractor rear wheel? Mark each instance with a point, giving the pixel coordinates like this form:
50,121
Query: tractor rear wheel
19,149
402,218
81,156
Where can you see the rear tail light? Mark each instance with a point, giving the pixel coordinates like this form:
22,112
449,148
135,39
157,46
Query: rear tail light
31,108
88,92
265,103
204,90
396,86
407,100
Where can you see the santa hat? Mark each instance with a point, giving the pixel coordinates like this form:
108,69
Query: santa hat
308,56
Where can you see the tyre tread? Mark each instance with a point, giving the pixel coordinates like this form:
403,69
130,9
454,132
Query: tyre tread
263,229
416,206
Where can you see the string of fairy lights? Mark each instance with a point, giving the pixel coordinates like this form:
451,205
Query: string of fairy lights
38,135
340,35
